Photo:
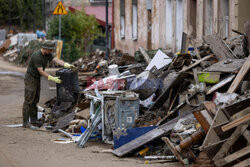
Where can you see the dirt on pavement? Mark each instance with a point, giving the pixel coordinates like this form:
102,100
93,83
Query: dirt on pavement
21,147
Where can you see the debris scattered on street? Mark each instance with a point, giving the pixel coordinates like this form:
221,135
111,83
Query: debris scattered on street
191,107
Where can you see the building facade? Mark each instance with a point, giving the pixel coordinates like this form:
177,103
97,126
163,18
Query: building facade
157,24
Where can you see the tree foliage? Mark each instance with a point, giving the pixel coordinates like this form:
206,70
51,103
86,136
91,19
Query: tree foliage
27,13
77,30
22,13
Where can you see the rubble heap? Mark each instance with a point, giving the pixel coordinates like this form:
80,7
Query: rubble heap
192,106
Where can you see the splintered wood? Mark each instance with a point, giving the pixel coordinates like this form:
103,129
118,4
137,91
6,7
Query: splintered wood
240,76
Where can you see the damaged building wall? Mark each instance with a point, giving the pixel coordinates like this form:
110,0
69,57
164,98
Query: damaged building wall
172,17
127,43
158,24
242,13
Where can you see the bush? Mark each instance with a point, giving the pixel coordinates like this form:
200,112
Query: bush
77,30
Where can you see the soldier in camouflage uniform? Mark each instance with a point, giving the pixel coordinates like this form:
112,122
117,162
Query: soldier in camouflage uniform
35,70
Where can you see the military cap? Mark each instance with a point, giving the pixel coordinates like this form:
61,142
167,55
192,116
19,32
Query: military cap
48,45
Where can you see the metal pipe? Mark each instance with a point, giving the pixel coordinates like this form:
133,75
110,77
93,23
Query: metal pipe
60,22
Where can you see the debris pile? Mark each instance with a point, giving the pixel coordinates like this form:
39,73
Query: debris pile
14,46
192,106
19,48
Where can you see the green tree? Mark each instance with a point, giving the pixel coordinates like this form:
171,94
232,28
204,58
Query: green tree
27,13
78,32
22,13
4,12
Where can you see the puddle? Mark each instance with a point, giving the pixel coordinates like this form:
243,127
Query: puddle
12,73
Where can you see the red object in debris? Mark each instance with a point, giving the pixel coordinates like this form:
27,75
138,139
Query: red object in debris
98,11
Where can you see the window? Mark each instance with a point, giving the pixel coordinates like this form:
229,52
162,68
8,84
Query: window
134,19
122,18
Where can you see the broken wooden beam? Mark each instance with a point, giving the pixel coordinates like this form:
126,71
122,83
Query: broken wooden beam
221,84
226,66
144,139
236,122
218,47
144,54
228,144
243,163
240,76
210,107
173,150
196,63
234,108
232,157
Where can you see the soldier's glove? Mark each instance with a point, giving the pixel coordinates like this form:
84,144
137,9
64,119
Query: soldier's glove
67,65
54,79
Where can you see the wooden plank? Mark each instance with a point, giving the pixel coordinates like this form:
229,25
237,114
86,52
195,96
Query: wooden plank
196,63
140,141
228,144
244,163
240,76
234,108
237,155
236,123
59,49
246,135
174,79
226,66
221,84
144,54
210,107
218,47
240,114
212,137
173,150
10,53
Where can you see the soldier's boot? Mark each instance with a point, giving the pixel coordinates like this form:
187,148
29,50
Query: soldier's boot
25,115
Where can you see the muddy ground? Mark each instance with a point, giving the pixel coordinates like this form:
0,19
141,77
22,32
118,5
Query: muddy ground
21,147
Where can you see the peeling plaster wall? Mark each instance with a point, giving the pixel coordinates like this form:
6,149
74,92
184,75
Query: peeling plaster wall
127,44
171,17
243,13
208,17
179,23
169,24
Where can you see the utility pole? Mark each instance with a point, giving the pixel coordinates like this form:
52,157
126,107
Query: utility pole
107,30
60,25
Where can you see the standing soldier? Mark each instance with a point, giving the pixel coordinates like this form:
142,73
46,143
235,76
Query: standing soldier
35,70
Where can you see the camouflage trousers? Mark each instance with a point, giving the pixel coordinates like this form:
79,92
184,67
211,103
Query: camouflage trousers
31,98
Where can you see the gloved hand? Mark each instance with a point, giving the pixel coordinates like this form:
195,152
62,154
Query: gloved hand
67,65
54,79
